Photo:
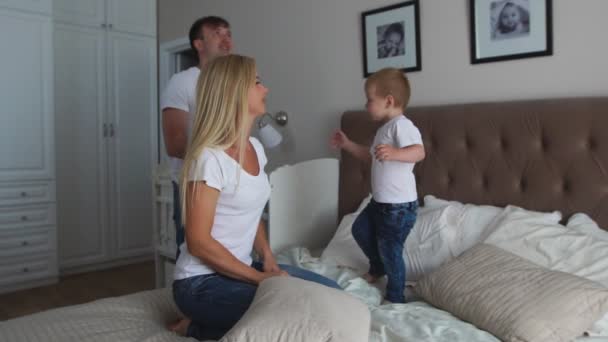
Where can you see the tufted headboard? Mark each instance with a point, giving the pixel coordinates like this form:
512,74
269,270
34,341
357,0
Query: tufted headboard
541,155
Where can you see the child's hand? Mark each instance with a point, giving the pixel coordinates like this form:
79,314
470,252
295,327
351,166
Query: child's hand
339,139
385,152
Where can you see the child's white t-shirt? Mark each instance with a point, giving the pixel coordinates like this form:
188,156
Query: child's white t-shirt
394,181
181,94
238,211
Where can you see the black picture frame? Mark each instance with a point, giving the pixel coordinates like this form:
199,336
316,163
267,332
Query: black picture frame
489,43
380,26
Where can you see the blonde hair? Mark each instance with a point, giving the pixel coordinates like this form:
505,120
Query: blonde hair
391,81
222,114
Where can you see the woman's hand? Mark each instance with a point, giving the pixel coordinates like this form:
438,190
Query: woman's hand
270,264
265,275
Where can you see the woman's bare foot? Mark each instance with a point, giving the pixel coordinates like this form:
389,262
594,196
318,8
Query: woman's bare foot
180,327
370,278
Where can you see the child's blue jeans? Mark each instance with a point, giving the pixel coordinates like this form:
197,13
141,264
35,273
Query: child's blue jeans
380,230
215,302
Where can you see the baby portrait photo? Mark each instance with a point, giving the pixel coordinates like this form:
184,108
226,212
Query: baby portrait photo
510,19
391,40
503,30
391,37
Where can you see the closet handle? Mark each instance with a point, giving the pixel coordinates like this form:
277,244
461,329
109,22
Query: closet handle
105,130
112,130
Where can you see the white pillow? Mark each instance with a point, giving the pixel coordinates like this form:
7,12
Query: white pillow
552,245
470,221
443,230
343,250
292,309
364,203
426,247
585,224
581,222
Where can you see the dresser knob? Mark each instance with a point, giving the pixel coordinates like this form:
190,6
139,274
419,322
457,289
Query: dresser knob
24,243
23,194
23,218
25,270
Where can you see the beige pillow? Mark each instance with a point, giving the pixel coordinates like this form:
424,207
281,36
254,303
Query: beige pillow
292,309
513,298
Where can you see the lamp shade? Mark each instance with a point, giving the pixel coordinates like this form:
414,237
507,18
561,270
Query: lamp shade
269,136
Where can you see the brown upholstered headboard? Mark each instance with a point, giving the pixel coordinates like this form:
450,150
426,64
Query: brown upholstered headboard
541,155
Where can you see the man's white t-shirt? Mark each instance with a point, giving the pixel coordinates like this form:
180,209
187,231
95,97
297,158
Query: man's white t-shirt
394,181
181,94
239,206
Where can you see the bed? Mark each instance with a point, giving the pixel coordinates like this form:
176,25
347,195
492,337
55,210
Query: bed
542,155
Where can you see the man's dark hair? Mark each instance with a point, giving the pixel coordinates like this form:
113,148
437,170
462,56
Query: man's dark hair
197,26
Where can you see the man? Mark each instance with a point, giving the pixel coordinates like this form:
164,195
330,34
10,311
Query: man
210,37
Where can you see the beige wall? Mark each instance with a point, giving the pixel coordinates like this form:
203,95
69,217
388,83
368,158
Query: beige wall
309,55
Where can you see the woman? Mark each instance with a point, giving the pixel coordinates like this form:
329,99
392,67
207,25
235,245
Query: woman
224,190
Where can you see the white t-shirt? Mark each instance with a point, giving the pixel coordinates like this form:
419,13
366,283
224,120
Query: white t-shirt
239,207
181,94
394,181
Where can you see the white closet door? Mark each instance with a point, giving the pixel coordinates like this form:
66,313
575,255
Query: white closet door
81,166
132,62
80,12
38,6
133,16
26,81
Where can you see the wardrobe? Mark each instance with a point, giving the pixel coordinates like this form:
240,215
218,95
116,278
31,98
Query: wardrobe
28,235
105,130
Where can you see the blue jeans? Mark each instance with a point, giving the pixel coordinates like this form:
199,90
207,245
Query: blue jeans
215,302
380,230
177,218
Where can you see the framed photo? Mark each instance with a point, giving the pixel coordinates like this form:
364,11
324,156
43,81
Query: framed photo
391,38
510,29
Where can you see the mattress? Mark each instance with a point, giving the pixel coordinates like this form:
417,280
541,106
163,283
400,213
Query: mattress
143,316
138,317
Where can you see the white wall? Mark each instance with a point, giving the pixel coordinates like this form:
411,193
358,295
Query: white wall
309,55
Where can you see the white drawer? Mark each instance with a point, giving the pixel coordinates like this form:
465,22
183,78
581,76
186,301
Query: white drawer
27,270
24,217
26,193
40,240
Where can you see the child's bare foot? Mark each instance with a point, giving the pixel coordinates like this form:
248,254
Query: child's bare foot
180,327
370,278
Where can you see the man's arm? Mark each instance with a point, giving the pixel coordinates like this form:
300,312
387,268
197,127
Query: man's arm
175,131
